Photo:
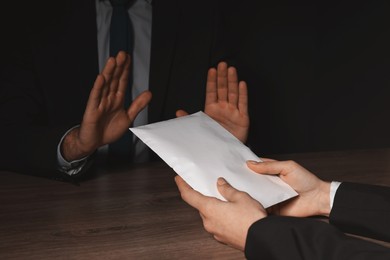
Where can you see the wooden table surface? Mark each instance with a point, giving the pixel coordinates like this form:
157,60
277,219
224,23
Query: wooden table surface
137,213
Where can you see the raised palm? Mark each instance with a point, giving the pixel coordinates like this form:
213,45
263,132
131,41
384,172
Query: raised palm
227,100
105,118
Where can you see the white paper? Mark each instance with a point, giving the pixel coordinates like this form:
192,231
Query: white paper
200,150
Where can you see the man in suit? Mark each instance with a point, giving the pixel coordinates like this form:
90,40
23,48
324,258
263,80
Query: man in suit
243,223
52,58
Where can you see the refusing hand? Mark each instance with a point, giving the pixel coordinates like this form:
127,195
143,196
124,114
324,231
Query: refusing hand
226,100
105,119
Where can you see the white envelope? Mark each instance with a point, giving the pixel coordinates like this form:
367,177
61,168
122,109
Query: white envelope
200,150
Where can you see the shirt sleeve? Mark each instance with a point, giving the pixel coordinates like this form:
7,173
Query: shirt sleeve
333,188
73,167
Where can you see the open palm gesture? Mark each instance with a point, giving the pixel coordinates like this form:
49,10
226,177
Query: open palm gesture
227,100
105,118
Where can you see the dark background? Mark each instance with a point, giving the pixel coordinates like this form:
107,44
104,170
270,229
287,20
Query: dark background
318,74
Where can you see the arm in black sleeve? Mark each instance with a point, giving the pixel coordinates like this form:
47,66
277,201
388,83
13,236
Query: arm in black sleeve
28,137
40,95
362,209
277,237
28,143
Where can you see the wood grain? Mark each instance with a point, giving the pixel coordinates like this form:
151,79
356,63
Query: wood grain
136,213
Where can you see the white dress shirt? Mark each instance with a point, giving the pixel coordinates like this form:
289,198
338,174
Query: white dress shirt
334,185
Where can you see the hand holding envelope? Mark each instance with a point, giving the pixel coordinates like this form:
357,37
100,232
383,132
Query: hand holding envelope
200,151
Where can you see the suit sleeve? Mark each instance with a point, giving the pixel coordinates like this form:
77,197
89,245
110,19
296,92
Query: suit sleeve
28,135
29,143
278,237
362,209
23,136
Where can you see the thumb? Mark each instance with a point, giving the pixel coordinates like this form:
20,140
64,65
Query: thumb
267,167
139,103
226,190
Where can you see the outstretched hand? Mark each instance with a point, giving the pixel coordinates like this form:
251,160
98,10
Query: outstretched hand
226,100
228,221
105,118
313,193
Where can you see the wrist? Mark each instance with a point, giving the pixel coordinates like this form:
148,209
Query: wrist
324,203
71,149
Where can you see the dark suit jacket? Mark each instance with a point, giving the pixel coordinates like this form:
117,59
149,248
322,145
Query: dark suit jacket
50,64
358,209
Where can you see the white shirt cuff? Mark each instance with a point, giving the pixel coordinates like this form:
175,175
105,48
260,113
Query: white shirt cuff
73,167
333,188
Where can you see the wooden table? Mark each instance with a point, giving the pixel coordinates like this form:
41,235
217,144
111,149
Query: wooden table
137,213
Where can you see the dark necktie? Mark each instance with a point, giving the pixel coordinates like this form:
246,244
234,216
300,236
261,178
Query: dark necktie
121,39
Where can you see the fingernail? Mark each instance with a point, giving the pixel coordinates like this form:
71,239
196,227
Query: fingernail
221,181
252,162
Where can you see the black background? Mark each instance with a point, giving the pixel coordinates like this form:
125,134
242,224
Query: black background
318,73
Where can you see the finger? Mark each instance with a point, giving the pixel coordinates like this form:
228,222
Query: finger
211,87
269,167
227,191
96,93
120,85
121,70
138,104
233,86
189,195
243,98
107,73
222,82
123,83
180,113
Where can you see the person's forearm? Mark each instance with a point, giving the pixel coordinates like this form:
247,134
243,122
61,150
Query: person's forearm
281,238
362,209
30,149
